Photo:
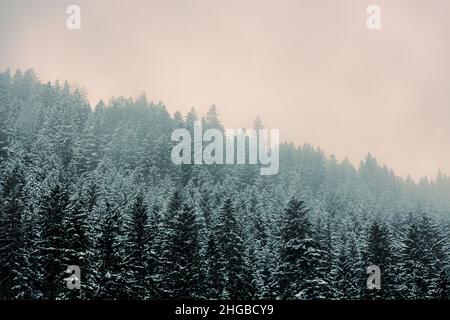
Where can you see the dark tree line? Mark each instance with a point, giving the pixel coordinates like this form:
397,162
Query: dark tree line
96,188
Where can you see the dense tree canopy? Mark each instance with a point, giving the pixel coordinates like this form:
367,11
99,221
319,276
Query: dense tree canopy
95,187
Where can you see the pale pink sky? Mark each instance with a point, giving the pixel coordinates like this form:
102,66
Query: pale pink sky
310,68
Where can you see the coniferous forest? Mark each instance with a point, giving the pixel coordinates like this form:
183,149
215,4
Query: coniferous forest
95,187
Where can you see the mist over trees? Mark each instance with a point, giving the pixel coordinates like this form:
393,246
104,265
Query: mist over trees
95,187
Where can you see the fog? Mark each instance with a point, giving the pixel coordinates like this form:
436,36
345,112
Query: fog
309,68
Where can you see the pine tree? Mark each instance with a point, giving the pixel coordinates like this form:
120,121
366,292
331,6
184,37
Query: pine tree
77,245
379,252
110,273
348,280
257,238
139,268
51,242
211,121
165,264
237,279
325,244
181,258
215,280
438,263
86,148
15,275
424,262
298,253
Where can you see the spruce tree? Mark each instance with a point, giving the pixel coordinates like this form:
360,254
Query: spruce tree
325,245
348,271
181,259
15,276
299,256
110,278
424,261
237,279
138,252
379,252
78,245
51,242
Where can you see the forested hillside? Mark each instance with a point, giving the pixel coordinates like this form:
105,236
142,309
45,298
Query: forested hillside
94,186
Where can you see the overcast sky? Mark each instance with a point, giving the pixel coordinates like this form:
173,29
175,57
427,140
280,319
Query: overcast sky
310,68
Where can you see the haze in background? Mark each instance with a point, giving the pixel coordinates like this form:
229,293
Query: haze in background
310,68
